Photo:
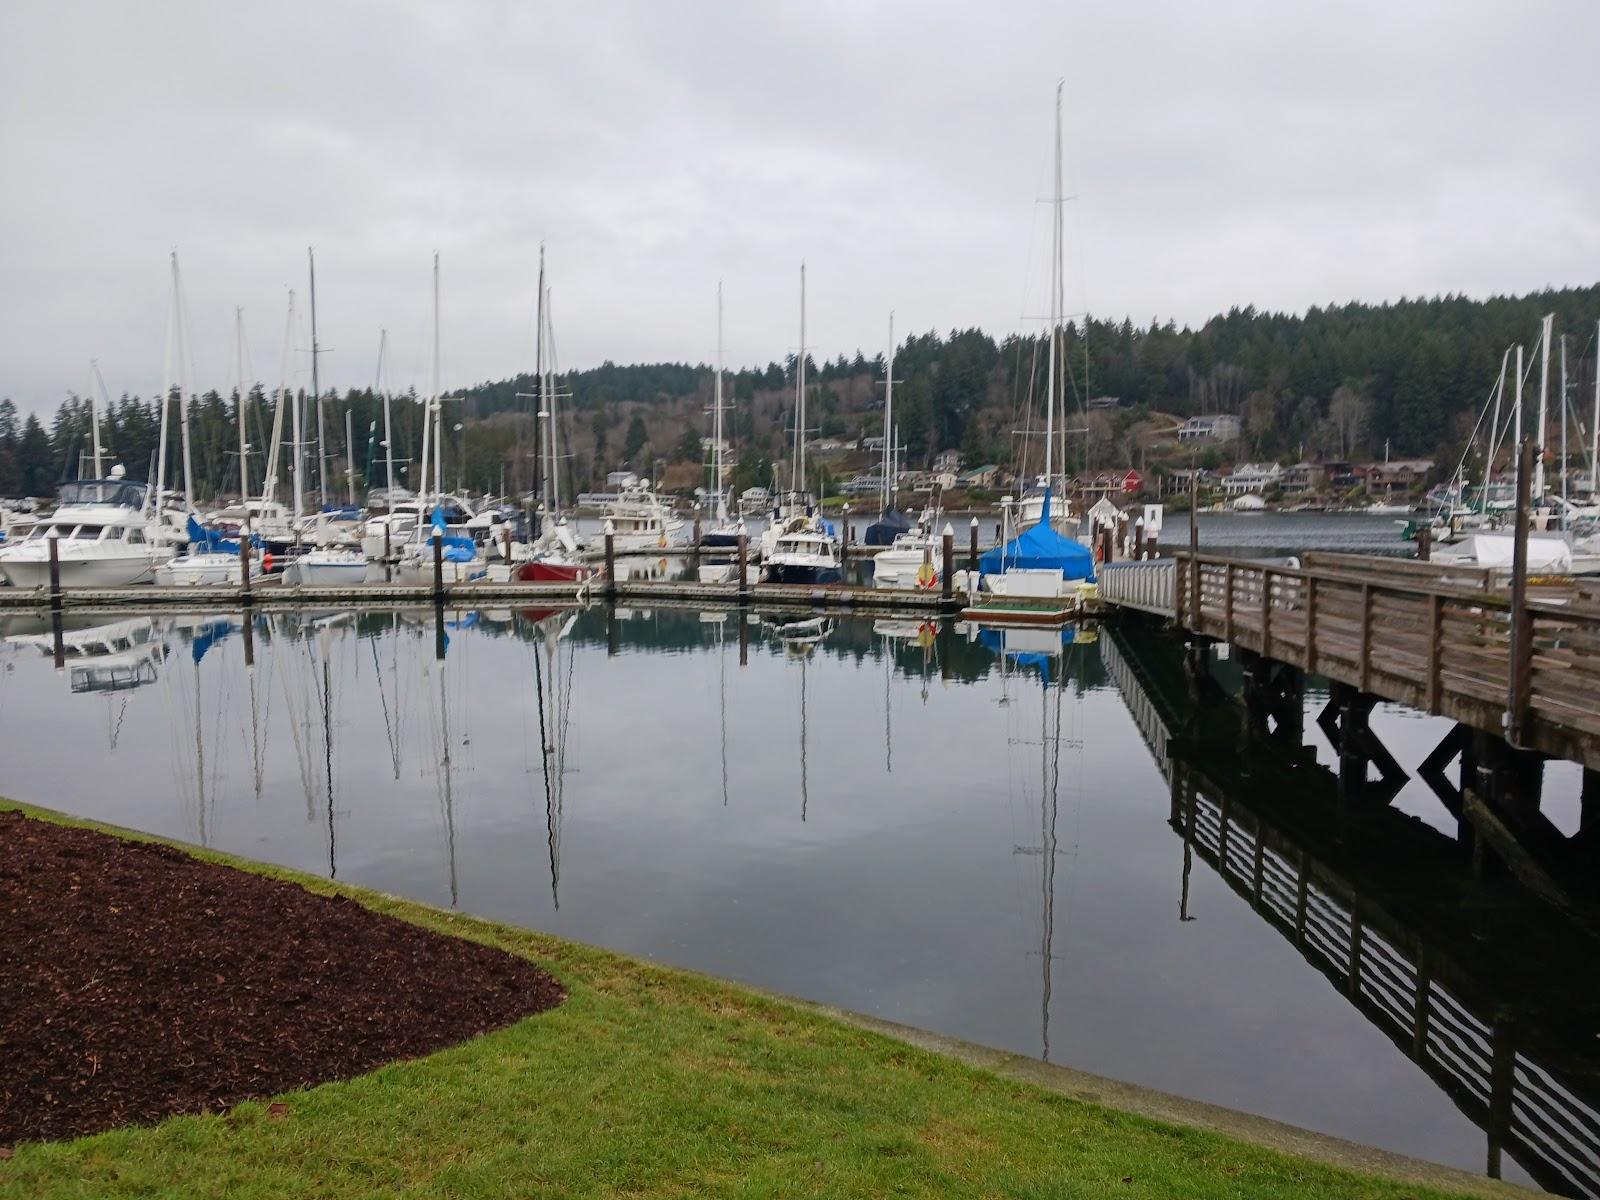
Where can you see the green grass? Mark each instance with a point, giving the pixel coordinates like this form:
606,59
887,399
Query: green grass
650,1081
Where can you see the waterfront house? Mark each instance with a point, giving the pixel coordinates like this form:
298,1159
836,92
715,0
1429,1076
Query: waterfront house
1178,482
1400,475
1252,478
1224,427
985,476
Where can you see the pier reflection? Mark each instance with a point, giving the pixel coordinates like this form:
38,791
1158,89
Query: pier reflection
1492,992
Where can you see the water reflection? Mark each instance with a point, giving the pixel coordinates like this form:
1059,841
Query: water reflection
1006,835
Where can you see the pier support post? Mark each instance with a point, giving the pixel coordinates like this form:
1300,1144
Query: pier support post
1520,668
972,545
947,583
1138,540
1425,544
744,568
505,540
696,537
244,572
844,542
611,561
438,570
55,572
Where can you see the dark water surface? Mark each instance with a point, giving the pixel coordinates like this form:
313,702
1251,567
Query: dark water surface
925,825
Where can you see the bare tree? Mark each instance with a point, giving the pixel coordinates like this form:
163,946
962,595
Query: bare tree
1349,411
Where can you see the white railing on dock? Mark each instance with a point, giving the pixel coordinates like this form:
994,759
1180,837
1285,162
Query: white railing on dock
1147,586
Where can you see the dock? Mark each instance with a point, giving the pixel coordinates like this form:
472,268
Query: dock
1445,640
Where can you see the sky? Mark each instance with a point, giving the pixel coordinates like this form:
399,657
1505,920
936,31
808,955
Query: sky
1218,154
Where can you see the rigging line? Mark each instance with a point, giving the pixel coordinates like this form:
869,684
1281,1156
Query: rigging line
549,798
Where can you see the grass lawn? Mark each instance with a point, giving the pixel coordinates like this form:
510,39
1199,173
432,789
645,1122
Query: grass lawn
650,1081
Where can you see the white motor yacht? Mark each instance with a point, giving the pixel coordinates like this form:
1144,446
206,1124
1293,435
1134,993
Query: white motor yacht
103,535
804,553
640,521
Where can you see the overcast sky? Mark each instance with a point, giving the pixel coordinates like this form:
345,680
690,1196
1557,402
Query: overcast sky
1218,154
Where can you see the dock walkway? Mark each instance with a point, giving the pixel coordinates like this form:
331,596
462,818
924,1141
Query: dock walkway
1442,639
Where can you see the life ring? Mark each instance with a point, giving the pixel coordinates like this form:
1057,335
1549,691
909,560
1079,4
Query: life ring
927,577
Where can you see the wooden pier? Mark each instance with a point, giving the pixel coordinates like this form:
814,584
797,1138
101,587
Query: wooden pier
1441,639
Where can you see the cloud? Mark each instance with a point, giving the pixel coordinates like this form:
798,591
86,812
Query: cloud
1244,153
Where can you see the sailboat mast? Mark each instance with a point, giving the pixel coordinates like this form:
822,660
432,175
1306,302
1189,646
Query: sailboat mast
1544,396
158,490
291,396
438,408
316,390
1594,429
94,417
1516,427
1055,305
888,427
183,389
797,475
539,401
552,453
1563,431
388,425
721,509
238,362
541,481
349,461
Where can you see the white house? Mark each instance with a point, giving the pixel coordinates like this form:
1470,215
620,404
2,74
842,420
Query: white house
1252,477
1224,427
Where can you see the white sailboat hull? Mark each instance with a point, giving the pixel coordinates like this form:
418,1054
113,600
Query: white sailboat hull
202,570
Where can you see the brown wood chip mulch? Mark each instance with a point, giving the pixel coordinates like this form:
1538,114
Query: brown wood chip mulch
137,982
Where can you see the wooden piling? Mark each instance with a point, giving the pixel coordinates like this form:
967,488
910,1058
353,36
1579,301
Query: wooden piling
972,545
388,556
58,646
1520,682
505,530
1138,540
744,567
55,572
611,563
844,545
244,570
249,641
438,569
1425,543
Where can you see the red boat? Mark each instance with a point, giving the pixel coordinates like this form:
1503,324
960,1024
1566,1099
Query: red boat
542,570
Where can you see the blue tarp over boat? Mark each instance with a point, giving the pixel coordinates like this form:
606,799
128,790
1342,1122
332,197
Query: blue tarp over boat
1041,548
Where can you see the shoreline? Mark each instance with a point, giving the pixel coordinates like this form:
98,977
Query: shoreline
1133,1112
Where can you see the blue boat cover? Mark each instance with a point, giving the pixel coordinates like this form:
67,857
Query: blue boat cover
1041,548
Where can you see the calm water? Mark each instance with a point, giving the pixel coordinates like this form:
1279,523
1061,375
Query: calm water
943,829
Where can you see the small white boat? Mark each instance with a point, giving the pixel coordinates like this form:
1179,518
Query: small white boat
805,553
328,566
638,520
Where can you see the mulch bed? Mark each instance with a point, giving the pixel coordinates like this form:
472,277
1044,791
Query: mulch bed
137,982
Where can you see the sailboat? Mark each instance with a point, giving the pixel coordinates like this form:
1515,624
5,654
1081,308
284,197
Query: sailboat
1031,507
212,558
461,559
1040,562
722,535
798,547
554,555
891,522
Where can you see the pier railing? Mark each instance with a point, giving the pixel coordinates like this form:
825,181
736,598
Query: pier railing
1440,639
1147,586
1519,1093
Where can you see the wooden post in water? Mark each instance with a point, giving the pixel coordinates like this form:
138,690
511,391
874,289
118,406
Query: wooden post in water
972,545
1520,682
1425,543
249,641
244,571
388,559
695,544
744,570
844,543
1194,552
58,646
55,572
505,529
1138,540
611,561
1107,539
947,595
438,570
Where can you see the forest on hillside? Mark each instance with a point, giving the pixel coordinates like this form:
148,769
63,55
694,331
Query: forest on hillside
1345,381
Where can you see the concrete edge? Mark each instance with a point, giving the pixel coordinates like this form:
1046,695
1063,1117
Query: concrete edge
1176,1110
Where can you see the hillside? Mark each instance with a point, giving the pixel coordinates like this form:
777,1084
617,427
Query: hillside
1336,382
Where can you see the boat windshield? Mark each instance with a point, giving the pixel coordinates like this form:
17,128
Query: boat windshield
103,491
